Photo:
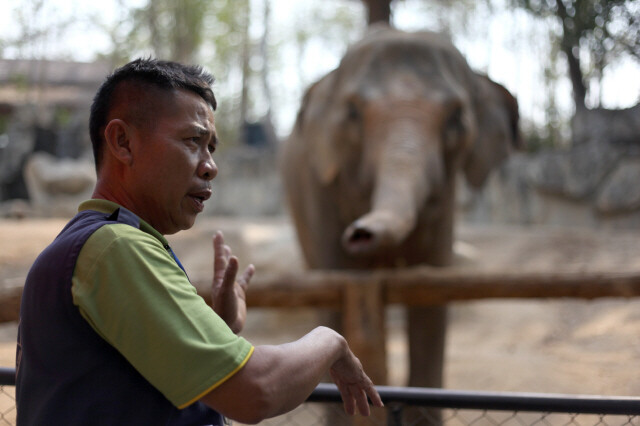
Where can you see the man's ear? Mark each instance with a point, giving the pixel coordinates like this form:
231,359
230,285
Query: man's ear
118,135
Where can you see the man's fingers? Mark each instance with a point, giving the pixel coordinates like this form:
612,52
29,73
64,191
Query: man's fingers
218,242
246,276
347,398
361,400
230,273
219,258
354,394
374,396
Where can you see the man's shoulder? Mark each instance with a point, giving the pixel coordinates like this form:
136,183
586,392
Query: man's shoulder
120,250
122,235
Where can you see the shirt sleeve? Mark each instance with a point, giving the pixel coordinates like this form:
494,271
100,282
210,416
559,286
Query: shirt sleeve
134,295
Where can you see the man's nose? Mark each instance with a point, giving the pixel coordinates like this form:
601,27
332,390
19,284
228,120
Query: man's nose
208,169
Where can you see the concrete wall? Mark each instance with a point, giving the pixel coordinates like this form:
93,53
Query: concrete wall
594,185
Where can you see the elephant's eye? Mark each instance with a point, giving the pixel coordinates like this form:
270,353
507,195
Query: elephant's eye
453,129
353,114
353,124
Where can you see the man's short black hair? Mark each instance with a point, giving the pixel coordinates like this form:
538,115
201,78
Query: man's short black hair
163,75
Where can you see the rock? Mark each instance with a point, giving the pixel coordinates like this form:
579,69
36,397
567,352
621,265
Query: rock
574,173
621,191
59,176
57,186
607,126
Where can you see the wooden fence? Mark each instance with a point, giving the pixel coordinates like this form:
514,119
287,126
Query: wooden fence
361,297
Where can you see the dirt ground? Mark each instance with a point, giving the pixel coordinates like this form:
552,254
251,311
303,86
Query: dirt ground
558,346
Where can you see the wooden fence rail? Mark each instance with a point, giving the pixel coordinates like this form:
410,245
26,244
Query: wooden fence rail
412,287
424,286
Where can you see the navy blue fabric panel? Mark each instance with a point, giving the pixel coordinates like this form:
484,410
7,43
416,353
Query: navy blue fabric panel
66,373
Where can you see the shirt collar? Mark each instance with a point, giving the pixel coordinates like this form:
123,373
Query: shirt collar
108,207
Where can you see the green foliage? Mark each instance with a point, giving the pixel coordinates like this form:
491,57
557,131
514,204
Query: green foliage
591,34
595,31
172,28
39,25
209,32
451,17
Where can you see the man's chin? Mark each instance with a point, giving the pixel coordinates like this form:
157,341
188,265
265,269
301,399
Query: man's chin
188,224
183,225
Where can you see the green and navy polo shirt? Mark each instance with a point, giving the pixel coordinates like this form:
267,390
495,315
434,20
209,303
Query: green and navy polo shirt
129,288
112,331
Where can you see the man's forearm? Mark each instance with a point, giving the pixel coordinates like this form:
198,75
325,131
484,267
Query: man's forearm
276,379
300,366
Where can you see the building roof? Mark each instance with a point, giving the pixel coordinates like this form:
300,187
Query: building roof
44,82
53,72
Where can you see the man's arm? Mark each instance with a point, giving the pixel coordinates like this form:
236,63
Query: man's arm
276,379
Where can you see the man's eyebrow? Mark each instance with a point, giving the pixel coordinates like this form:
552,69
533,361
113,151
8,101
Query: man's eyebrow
203,131
200,130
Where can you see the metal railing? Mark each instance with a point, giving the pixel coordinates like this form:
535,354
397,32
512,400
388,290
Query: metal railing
7,396
426,406
452,407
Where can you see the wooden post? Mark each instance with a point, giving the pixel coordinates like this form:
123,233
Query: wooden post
363,320
10,303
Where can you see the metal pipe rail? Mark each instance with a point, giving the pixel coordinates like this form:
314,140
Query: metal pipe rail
473,400
7,376
498,401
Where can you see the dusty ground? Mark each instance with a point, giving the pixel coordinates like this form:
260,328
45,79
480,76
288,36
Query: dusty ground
560,346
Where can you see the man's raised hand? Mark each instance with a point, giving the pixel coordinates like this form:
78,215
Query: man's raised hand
228,297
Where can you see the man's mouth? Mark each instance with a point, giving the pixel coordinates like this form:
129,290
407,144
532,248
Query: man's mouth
199,197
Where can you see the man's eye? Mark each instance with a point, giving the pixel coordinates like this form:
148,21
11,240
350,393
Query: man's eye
211,147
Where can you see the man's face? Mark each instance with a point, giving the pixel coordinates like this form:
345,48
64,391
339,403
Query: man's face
172,164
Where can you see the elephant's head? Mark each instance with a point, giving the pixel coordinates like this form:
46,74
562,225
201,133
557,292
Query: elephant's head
392,125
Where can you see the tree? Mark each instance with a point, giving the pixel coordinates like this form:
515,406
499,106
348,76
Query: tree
209,32
172,28
378,11
592,33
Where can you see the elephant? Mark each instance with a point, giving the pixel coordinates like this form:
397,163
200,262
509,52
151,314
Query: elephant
369,169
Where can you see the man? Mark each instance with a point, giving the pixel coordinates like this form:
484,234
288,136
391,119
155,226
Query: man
111,330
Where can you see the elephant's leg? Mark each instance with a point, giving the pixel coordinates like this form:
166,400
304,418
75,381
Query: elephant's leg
427,328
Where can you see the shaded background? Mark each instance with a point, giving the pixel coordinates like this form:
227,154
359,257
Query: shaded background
559,58
573,65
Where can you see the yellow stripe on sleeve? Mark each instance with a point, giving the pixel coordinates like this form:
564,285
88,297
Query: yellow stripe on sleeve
219,382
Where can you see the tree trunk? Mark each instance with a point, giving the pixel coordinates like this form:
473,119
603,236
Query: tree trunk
568,43
152,22
379,11
246,70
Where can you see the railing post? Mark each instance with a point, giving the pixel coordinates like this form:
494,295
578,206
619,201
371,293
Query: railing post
394,418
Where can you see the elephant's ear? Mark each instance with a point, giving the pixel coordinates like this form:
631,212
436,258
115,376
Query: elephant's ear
315,128
498,134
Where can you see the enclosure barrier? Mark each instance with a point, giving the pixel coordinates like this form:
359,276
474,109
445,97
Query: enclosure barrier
7,396
416,286
458,407
362,296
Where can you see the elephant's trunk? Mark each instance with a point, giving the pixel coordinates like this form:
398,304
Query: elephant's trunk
407,172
